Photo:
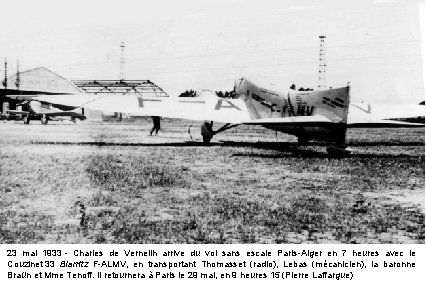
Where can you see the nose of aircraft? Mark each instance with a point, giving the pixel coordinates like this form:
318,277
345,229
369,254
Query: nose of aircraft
35,105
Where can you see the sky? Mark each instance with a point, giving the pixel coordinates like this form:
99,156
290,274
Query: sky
375,45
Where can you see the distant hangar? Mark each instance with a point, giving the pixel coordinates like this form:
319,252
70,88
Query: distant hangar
26,84
36,81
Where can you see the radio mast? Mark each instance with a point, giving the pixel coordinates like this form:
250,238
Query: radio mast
122,60
5,73
322,81
18,76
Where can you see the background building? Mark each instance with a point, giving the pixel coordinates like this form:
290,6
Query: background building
24,85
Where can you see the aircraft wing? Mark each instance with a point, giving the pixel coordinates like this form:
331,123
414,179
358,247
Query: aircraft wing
217,109
201,109
384,115
17,112
62,113
397,111
371,122
315,120
67,100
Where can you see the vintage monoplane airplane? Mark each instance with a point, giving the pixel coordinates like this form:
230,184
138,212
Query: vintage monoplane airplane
322,115
46,111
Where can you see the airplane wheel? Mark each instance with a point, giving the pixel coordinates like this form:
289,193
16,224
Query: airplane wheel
26,120
77,120
44,120
206,132
206,140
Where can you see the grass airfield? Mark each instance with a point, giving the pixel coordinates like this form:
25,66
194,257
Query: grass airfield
113,183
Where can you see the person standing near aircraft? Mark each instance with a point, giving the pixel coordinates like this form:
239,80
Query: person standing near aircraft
156,127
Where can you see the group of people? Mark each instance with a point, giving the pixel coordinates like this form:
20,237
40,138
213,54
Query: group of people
188,93
293,87
225,94
192,93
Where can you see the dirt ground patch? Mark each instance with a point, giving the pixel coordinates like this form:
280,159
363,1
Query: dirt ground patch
113,183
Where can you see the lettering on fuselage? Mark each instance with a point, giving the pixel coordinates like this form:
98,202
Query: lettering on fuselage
221,103
302,110
264,102
141,100
336,102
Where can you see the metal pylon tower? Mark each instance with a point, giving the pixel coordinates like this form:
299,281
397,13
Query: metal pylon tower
5,73
322,75
122,60
18,76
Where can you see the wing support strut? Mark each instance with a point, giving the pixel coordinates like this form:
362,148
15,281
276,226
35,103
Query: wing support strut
207,130
225,127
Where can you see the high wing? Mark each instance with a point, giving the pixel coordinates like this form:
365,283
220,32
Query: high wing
200,109
384,115
372,122
62,113
388,111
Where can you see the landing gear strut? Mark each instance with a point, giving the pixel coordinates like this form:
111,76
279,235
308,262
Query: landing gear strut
207,130
26,119
44,119
338,148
